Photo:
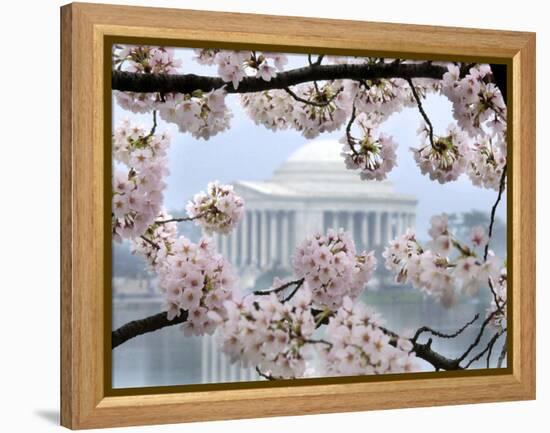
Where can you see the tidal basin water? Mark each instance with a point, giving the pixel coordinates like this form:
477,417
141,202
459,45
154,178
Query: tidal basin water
167,357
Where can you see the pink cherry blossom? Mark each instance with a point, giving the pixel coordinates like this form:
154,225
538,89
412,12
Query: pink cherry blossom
217,210
359,346
264,331
138,188
331,267
194,278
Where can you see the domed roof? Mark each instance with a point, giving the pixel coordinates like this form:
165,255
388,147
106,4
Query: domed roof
319,151
319,165
317,171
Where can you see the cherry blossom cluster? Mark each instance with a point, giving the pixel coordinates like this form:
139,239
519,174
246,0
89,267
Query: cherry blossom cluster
383,97
272,109
326,110
144,60
480,110
201,114
311,109
446,267
476,146
138,182
194,278
234,66
156,242
373,154
359,346
332,269
487,162
218,209
266,332
478,104
446,159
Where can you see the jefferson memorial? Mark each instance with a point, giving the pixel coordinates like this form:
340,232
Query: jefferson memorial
310,192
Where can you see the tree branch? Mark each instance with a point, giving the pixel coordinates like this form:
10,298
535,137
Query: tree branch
187,83
501,188
282,287
441,334
422,111
179,220
150,242
158,321
143,326
479,335
488,348
265,375
503,352
308,102
440,362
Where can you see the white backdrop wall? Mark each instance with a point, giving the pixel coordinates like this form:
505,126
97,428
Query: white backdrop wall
29,185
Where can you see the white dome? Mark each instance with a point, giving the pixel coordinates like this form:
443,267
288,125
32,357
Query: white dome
319,167
319,151
317,173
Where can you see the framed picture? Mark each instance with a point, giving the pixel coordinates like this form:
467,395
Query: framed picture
270,216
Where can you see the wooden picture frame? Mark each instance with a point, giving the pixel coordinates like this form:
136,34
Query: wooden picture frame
86,29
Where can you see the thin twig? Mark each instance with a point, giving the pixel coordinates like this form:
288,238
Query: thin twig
308,102
422,112
280,288
348,130
150,242
291,295
318,341
154,127
495,296
265,375
478,337
494,210
179,220
503,353
441,334
489,346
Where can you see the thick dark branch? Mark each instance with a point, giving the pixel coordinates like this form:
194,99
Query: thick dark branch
159,321
440,362
187,83
143,326
425,351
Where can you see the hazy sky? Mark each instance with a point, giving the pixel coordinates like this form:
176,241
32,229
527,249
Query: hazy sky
250,152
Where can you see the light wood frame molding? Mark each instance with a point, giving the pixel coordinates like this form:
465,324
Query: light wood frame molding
84,401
